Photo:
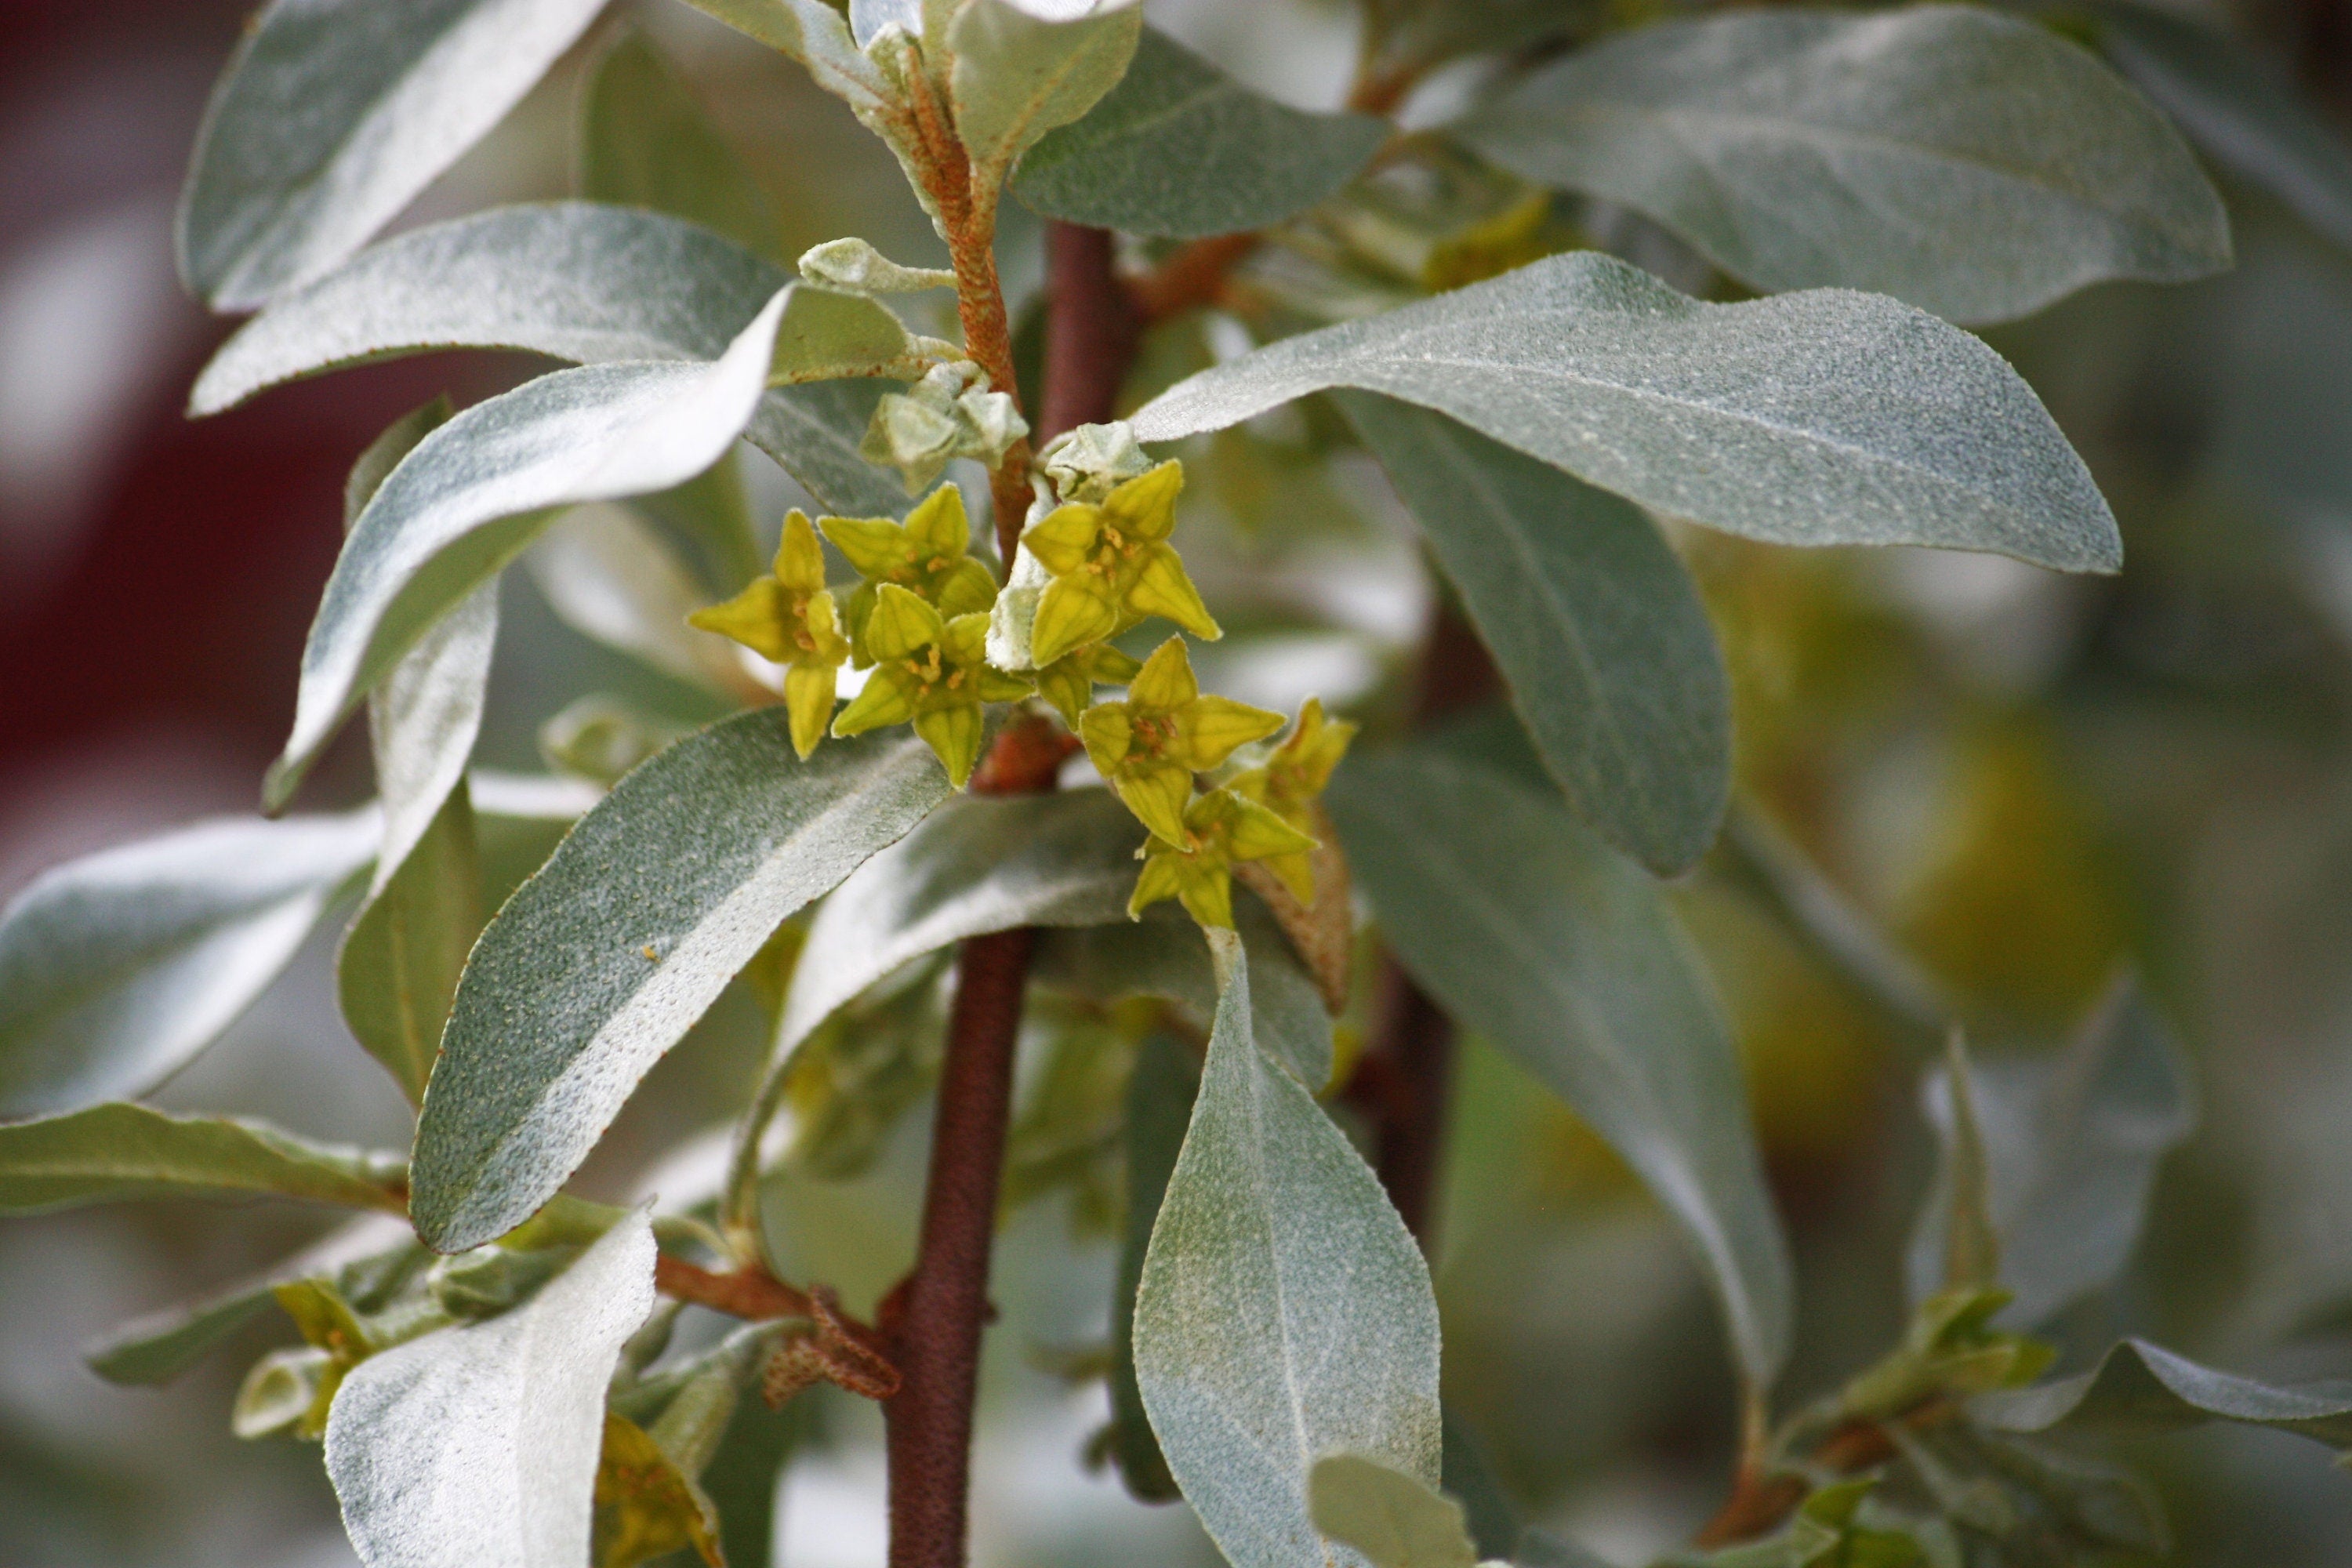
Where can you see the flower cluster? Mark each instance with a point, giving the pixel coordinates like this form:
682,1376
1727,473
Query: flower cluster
941,642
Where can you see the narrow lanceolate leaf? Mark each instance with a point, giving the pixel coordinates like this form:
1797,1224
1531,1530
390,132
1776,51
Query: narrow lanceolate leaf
2070,1150
113,1151
1974,165
815,431
479,1445
1826,417
817,36
1161,955
602,961
2247,114
333,114
115,969
477,489
1180,149
977,865
159,1346
1159,1097
575,280
1532,932
423,721
1395,1520
398,971
2141,1387
1017,77
643,141
1285,1312
1592,619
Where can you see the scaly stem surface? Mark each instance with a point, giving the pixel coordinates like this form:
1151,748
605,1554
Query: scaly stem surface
932,1321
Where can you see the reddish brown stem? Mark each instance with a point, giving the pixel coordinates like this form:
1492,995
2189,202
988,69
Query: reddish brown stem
933,1319
935,1336
1091,329
1192,277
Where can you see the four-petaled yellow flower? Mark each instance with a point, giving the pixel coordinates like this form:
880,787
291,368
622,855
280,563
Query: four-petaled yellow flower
1221,828
1290,781
790,618
927,554
1112,567
1069,683
932,671
1150,746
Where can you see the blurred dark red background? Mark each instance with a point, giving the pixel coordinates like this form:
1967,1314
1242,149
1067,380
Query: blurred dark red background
156,575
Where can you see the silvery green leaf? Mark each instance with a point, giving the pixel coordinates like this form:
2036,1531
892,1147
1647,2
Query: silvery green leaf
1158,955
1178,149
1974,165
854,265
815,431
480,487
2243,110
333,114
1159,1099
397,970
742,1480
1762,860
116,969
157,1348
817,36
868,18
1956,1240
2141,1387
575,280
650,906
1469,1477
424,719
978,864
2070,1146
643,141
1285,1312
479,1445
1392,1517
1826,417
1529,930
108,1153
1429,32
1017,77
607,577
1592,619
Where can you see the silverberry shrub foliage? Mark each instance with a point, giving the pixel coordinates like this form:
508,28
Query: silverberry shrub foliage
971,796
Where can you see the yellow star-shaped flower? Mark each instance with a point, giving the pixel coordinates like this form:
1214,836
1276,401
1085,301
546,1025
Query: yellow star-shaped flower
790,618
1069,683
928,554
1290,781
1112,567
1150,746
1220,829
929,671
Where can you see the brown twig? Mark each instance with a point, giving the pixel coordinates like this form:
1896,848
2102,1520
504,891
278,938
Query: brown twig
967,209
1192,277
1762,1498
932,1321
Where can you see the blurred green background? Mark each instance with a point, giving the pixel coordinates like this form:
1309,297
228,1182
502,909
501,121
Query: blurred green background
2026,781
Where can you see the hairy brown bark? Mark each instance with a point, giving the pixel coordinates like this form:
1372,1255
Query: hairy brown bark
931,1324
